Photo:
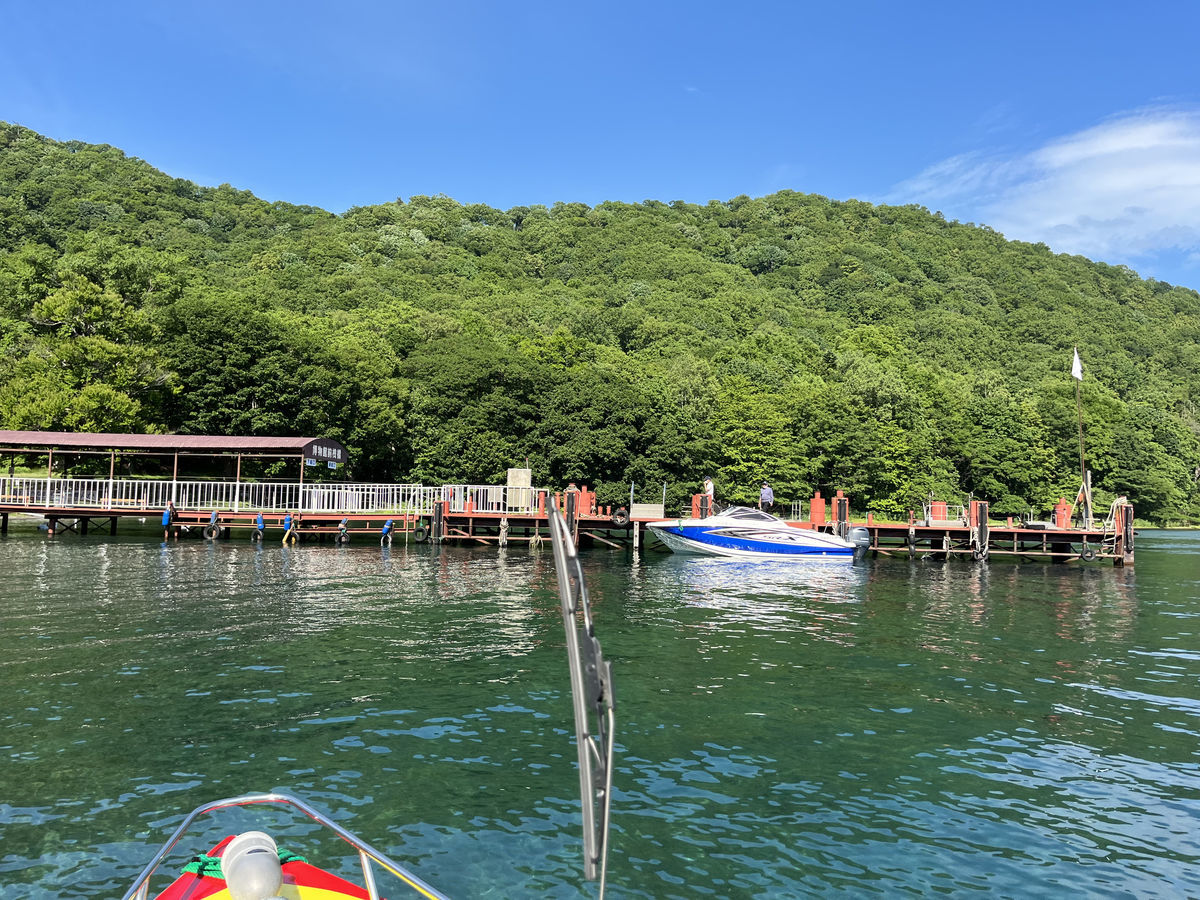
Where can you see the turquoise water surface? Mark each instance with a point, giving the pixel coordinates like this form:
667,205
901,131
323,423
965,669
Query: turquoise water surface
884,728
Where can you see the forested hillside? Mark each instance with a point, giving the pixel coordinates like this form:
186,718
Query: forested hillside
819,344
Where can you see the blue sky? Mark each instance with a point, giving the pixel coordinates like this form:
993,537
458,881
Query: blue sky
1076,124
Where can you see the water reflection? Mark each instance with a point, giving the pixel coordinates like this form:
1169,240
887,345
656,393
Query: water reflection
772,596
889,728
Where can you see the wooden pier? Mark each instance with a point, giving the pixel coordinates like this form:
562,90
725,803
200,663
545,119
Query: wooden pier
967,532
500,515
485,514
481,514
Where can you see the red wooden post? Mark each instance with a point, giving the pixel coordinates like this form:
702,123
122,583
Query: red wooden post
695,506
1062,513
816,510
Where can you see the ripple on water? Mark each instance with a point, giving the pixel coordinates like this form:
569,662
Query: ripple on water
850,729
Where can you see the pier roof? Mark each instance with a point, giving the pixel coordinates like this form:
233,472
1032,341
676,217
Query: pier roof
324,448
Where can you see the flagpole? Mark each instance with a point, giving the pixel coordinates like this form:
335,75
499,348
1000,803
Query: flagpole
1079,415
1077,374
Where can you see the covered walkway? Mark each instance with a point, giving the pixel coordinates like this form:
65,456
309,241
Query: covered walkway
308,451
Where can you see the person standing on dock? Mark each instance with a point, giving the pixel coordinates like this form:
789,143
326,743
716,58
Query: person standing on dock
766,498
709,498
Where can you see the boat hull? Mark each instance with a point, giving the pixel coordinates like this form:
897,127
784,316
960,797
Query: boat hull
710,538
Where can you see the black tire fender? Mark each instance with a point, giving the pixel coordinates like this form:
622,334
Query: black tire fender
211,532
420,535
1087,554
620,518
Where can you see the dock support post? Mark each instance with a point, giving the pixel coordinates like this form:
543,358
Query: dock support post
637,535
572,512
439,521
1124,556
52,524
83,526
112,526
816,509
979,529
3,523
841,515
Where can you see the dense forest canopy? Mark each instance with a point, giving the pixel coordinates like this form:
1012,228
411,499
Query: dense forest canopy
819,344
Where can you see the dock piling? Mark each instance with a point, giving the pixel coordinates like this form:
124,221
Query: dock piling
572,512
1125,532
841,515
439,522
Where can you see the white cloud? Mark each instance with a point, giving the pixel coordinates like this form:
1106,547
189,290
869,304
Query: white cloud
1124,190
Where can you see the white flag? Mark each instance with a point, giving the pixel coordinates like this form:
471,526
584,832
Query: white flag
1077,367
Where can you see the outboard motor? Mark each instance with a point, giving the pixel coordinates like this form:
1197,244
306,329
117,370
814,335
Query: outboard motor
861,539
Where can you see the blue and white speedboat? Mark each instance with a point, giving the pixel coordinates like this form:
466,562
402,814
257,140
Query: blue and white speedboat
749,534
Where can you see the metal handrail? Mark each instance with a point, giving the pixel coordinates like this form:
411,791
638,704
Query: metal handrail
332,497
592,693
954,513
366,853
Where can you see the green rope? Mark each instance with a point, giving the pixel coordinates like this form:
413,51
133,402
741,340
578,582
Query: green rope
210,866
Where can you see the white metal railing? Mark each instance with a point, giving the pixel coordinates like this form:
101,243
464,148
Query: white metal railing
952,513
268,496
90,493
490,498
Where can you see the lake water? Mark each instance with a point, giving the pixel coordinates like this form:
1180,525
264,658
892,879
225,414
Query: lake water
879,729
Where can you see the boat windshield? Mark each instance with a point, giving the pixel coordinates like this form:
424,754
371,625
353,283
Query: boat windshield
746,514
